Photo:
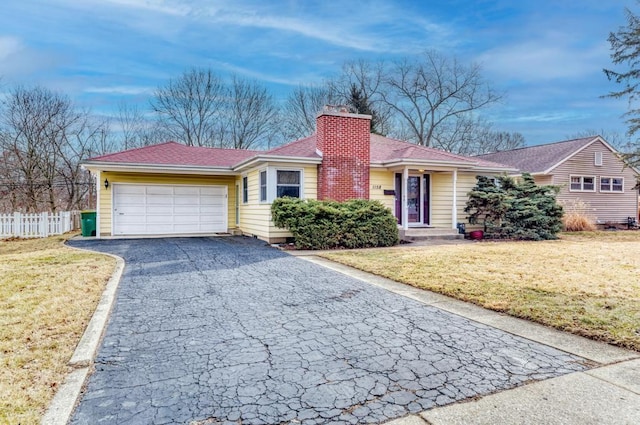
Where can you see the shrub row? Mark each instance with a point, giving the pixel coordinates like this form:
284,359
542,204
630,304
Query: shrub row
328,224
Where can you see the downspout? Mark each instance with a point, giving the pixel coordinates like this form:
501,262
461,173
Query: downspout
98,186
454,206
405,209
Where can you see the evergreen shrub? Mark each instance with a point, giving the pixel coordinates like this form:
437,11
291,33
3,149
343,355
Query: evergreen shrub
328,224
513,209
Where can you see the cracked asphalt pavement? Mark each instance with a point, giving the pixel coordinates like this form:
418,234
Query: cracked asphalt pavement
232,331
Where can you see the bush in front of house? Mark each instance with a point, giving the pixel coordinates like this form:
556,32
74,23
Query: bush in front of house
512,209
328,224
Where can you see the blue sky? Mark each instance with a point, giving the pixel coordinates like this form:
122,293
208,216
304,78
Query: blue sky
547,55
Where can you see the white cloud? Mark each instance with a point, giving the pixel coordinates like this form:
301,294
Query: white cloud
19,60
548,117
370,27
9,46
158,6
125,90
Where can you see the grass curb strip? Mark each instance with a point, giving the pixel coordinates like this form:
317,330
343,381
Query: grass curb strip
64,402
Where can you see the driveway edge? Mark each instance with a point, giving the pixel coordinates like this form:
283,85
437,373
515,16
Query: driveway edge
63,403
595,351
606,393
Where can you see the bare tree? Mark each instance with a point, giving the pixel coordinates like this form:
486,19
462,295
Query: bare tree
428,94
89,137
135,130
359,85
34,122
131,123
251,115
497,141
299,113
619,141
43,138
470,135
189,107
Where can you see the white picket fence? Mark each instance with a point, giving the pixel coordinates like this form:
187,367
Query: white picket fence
39,225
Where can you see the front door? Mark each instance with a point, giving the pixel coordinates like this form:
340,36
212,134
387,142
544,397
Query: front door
414,200
417,201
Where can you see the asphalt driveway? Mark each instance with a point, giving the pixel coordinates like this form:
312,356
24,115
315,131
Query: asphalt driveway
230,330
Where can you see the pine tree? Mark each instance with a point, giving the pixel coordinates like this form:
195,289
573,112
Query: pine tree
532,211
513,209
625,52
360,103
486,205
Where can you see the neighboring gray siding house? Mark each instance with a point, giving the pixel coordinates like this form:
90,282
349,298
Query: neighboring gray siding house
586,169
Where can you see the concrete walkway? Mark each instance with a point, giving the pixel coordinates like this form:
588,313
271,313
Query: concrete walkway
228,330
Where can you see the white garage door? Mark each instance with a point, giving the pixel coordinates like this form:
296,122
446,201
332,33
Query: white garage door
168,209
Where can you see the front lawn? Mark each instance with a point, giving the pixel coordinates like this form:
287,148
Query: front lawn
584,283
48,293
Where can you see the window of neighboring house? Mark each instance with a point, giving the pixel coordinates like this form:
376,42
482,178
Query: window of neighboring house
611,184
245,189
263,186
582,184
288,183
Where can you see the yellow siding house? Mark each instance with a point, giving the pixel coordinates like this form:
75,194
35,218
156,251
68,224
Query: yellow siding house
173,189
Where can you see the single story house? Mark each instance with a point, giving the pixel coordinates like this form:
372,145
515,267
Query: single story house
173,189
588,170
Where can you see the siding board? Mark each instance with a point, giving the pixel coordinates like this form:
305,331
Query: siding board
380,181
605,206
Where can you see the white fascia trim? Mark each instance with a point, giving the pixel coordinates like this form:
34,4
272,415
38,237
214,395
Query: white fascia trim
520,173
164,169
252,162
425,164
568,157
595,139
500,170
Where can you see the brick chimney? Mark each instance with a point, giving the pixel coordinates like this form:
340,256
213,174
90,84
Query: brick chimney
344,140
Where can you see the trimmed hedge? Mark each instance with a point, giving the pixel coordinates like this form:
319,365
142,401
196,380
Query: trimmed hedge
328,224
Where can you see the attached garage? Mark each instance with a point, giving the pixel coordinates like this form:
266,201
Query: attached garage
157,209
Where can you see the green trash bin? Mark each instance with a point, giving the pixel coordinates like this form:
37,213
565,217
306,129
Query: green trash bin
88,223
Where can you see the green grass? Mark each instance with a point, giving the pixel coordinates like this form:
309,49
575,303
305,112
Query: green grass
586,283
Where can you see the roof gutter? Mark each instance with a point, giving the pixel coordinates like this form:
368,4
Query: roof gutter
248,163
441,164
422,163
156,168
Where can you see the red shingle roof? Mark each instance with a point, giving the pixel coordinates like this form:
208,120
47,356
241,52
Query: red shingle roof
172,153
303,148
540,158
383,150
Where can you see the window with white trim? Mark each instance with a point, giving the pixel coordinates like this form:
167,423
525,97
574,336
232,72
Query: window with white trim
612,184
263,186
288,183
582,184
245,189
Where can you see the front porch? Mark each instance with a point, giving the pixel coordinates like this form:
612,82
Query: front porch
429,203
428,233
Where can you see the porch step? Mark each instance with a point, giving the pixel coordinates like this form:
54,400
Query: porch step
429,233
